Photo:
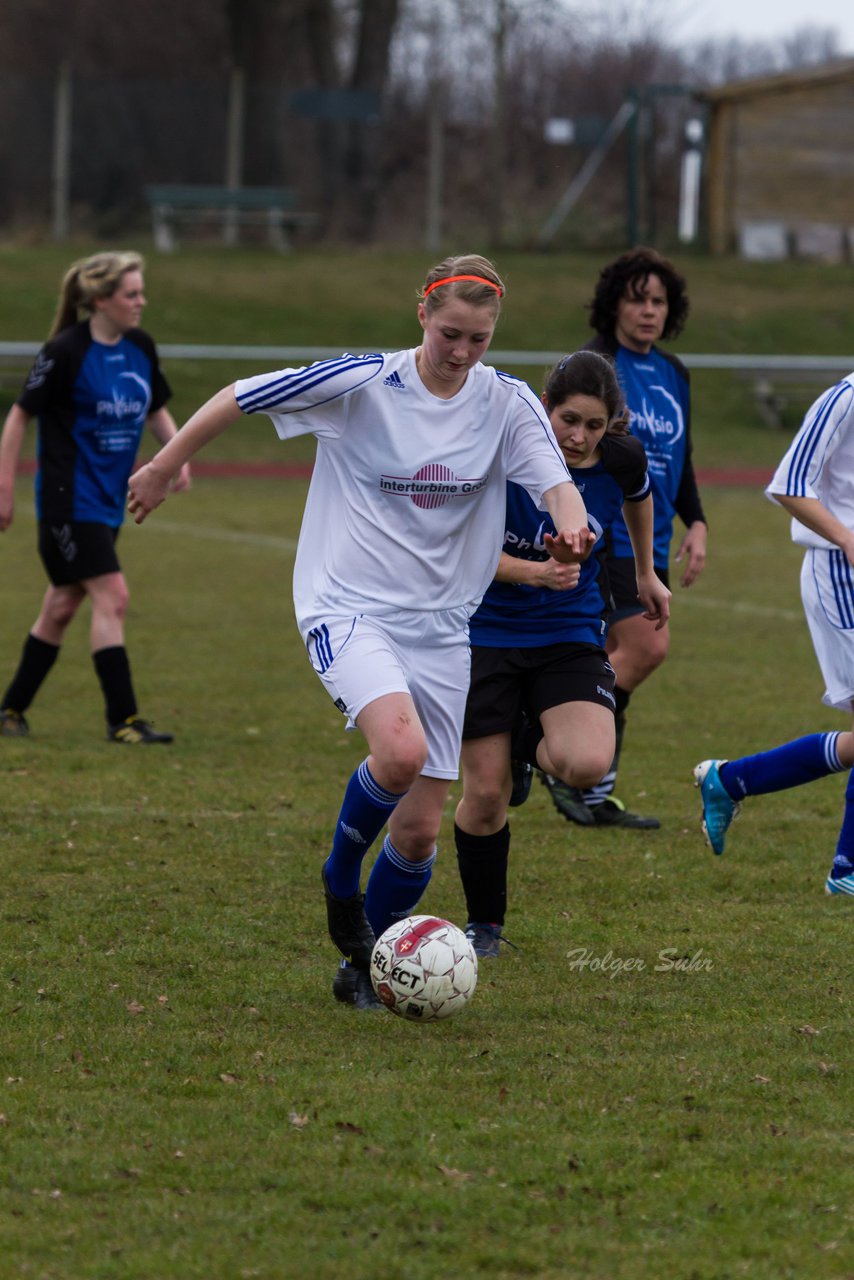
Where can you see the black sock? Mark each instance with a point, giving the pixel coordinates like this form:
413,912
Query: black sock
621,698
604,789
113,671
482,861
37,658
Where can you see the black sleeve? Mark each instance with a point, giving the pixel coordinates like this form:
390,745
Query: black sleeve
50,381
624,458
688,506
687,502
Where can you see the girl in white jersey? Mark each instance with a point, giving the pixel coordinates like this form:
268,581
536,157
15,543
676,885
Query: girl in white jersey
400,538
815,484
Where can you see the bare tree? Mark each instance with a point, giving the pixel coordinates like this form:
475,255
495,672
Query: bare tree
733,58
376,25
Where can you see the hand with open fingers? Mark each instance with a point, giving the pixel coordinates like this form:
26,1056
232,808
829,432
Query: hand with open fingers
570,546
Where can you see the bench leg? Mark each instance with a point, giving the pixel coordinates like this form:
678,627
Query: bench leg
276,231
164,235
230,228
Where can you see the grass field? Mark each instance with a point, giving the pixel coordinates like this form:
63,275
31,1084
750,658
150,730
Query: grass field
656,1084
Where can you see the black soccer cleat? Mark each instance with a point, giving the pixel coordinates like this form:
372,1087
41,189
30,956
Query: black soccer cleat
13,724
568,801
613,813
348,926
522,775
486,939
353,986
134,730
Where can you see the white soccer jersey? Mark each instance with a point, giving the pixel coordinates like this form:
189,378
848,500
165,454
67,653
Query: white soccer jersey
406,504
819,463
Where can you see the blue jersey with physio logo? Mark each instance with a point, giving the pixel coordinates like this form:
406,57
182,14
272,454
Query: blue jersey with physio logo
657,395
91,400
516,616
657,391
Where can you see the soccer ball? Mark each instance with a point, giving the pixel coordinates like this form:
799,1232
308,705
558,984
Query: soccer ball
423,968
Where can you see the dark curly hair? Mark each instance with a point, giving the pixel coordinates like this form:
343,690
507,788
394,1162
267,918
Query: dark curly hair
622,277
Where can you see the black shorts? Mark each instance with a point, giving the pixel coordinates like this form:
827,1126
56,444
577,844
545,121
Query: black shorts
622,581
78,550
507,682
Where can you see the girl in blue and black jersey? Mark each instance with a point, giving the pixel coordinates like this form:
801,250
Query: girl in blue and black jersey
538,656
95,384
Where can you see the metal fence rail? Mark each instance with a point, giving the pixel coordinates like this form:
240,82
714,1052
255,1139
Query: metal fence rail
280,356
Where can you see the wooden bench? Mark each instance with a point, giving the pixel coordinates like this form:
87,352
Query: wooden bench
273,207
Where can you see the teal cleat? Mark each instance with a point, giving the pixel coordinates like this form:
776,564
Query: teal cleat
719,808
843,883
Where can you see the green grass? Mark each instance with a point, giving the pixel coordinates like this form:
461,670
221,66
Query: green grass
180,1097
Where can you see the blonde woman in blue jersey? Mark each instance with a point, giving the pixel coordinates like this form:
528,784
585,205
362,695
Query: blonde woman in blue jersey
538,638
814,483
94,386
399,541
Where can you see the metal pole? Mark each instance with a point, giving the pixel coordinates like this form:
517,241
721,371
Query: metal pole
632,168
626,113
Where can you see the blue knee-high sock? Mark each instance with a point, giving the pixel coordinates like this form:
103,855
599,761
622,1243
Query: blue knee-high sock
844,860
803,760
363,815
395,886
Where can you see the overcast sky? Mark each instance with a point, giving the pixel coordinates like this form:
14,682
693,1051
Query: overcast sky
755,19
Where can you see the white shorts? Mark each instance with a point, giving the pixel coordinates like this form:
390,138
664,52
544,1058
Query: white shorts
426,655
827,592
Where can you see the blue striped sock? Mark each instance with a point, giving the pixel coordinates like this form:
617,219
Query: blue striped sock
791,765
364,813
395,886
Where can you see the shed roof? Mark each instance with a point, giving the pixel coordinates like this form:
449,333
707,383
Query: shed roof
828,73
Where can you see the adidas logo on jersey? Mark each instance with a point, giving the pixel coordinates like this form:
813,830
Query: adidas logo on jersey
394,380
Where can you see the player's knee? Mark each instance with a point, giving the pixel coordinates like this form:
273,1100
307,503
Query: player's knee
58,610
399,765
414,834
583,772
119,601
61,613
640,666
487,801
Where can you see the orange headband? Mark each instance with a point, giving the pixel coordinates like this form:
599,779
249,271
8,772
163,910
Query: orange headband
452,279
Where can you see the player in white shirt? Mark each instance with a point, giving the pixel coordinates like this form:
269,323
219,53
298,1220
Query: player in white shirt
815,484
401,536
